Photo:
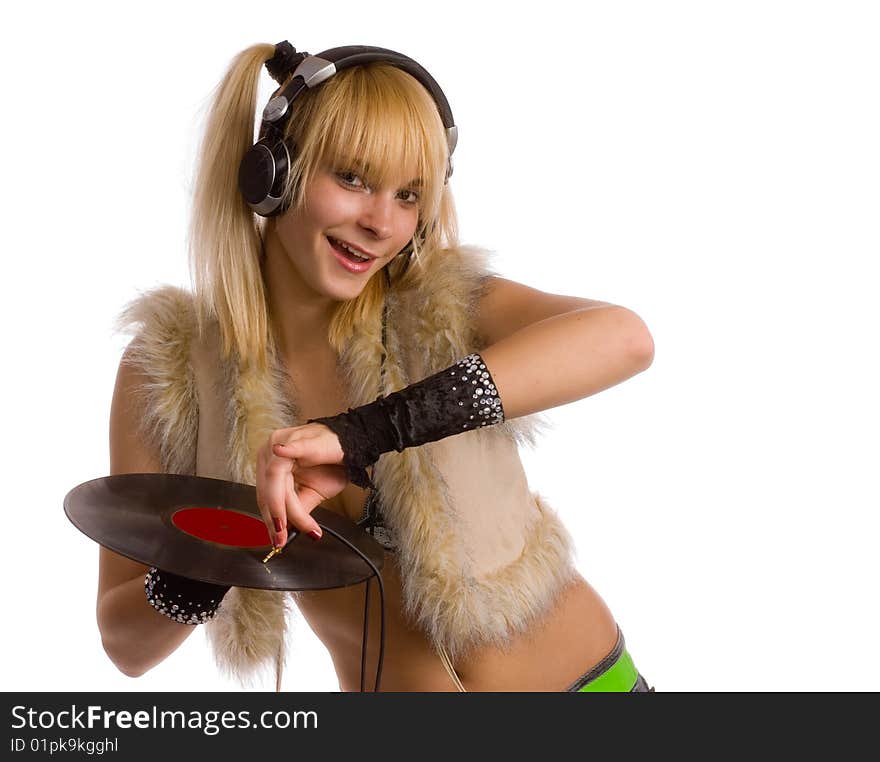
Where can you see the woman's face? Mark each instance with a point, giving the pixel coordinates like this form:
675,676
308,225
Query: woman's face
340,213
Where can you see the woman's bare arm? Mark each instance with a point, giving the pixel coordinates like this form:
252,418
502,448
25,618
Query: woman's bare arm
547,350
135,636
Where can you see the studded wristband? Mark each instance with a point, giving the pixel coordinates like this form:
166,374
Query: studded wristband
456,399
185,600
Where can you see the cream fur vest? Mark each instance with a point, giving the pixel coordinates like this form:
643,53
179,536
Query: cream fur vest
481,555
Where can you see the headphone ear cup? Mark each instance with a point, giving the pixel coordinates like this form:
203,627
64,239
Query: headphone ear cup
262,175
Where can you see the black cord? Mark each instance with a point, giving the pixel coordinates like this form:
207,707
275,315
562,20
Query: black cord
366,629
357,550
381,607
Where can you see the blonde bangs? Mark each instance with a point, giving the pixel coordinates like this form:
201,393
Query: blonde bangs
380,122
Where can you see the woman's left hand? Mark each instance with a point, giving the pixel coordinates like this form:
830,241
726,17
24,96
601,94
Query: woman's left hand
298,469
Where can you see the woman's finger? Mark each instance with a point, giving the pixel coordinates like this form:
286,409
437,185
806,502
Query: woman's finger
297,515
319,447
262,502
267,520
276,473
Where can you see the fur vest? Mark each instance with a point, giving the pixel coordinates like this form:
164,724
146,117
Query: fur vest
481,555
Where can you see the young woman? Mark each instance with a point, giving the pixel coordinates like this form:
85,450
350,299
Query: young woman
340,348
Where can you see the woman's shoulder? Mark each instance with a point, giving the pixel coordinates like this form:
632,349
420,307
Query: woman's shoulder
155,392
448,279
467,260
163,327
160,309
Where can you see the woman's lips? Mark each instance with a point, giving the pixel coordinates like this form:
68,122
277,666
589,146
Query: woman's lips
346,261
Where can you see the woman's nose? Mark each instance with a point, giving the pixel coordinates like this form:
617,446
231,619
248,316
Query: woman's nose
376,215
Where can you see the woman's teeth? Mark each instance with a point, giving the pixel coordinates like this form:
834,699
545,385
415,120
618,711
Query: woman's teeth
350,251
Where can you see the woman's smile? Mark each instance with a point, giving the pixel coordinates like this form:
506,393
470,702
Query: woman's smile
348,259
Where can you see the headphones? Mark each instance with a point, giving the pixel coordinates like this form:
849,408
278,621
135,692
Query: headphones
263,170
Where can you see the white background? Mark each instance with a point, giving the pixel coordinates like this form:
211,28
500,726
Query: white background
711,165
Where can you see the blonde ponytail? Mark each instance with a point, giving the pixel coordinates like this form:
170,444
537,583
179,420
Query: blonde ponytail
224,237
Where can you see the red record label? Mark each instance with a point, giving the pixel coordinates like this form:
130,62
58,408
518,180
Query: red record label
223,527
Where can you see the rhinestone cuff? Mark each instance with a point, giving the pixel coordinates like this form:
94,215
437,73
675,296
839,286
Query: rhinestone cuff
184,600
478,385
458,398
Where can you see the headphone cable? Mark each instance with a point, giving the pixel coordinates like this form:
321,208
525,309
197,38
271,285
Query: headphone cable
366,610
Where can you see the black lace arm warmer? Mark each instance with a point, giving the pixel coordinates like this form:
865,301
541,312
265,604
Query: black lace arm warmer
456,399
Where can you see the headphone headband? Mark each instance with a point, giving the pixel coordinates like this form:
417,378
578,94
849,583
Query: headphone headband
264,168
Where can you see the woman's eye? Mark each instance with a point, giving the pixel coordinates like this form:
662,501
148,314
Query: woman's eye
350,178
410,196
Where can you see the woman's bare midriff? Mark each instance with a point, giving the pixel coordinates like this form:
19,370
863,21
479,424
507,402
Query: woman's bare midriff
576,633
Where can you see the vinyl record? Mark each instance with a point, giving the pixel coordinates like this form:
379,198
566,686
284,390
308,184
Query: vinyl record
211,530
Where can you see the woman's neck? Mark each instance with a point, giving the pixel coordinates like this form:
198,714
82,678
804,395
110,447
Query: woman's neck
300,317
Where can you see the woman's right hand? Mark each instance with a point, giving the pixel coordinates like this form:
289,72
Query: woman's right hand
298,469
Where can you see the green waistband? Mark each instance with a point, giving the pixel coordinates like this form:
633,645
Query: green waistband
619,677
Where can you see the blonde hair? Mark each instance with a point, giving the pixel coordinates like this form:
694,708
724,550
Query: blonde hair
375,115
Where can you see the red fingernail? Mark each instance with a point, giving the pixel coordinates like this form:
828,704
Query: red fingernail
277,523
315,534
